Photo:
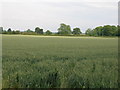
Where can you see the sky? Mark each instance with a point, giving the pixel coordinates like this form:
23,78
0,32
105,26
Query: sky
49,14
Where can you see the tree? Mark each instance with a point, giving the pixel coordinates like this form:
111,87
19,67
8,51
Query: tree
48,32
64,29
9,31
98,31
89,32
76,31
29,30
38,30
106,30
109,30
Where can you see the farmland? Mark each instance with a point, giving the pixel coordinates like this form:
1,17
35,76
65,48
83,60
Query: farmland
59,62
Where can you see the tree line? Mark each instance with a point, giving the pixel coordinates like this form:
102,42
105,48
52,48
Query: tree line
106,30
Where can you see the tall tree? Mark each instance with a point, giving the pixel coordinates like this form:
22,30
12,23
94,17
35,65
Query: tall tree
38,30
9,31
76,31
64,29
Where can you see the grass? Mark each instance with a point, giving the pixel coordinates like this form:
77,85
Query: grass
59,62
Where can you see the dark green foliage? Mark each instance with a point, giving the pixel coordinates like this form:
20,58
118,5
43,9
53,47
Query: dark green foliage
38,30
89,32
9,31
118,32
106,30
17,32
76,31
109,30
98,31
4,32
64,29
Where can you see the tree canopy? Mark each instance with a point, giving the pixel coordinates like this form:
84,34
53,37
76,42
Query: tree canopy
106,30
76,31
48,32
38,30
64,29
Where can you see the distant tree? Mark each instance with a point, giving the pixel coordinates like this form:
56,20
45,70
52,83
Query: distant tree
109,30
38,30
89,32
9,31
17,32
29,30
4,32
76,31
48,32
64,29
98,31
13,32
106,30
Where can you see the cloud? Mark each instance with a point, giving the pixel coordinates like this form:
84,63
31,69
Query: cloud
48,14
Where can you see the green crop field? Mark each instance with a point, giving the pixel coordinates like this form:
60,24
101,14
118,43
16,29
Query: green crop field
59,62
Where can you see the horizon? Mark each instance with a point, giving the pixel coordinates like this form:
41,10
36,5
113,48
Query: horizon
50,30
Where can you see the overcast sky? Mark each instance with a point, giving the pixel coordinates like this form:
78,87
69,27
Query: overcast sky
48,14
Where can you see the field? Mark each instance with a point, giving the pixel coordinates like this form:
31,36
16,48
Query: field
59,62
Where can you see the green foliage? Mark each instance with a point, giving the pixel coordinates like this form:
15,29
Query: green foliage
89,32
38,30
64,29
17,32
118,30
48,32
9,31
29,30
109,30
54,62
4,32
98,31
76,31
106,30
